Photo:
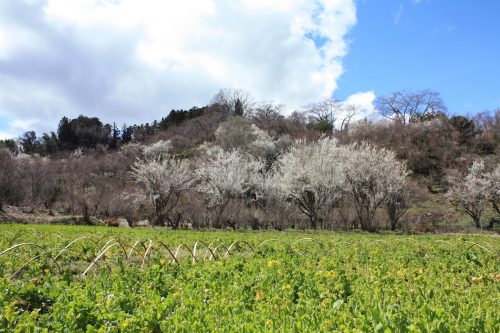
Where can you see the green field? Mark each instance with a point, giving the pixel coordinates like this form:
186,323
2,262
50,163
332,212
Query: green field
157,280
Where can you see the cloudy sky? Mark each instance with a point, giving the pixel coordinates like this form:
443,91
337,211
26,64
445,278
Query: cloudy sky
132,61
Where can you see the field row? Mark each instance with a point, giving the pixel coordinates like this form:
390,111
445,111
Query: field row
25,247
101,279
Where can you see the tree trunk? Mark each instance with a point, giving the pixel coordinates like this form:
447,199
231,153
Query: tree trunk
160,219
477,221
219,210
255,223
85,214
496,207
175,221
314,223
366,221
394,225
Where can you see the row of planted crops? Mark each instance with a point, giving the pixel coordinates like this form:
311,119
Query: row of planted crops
55,278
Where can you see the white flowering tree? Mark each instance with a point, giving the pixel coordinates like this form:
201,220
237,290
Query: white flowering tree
312,176
164,180
373,177
226,175
256,144
158,150
472,192
268,151
494,177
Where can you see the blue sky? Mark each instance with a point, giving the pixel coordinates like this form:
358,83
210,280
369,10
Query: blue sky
132,61
451,46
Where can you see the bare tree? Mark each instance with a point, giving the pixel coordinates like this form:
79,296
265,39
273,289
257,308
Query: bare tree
269,117
51,186
406,106
396,205
232,102
7,174
78,182
348,112
37,176
267,112
328,112
472,192
325,113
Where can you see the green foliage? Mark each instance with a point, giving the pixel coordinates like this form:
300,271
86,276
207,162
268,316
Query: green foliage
176,117
320,126
82,132
290,282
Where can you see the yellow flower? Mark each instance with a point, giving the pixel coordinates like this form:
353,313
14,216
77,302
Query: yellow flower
329,274
286,287
125,324
269,322
163,261
272,263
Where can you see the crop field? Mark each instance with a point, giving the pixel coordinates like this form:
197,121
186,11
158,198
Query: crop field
96,279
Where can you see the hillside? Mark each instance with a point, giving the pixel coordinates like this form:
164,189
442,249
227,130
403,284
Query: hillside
87,168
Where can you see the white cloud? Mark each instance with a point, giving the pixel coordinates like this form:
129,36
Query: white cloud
134,60
16,127
363,101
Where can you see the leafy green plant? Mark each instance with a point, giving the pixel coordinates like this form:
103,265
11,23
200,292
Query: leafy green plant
157,280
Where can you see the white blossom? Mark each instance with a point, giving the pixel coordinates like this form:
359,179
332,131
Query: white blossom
313,176
226,174
494,177
158,150
472,192
316,176
163,180
372,175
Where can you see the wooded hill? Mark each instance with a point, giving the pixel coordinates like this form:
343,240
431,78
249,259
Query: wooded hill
93,170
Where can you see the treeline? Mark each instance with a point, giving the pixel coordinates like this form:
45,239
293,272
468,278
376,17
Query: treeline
94,170
90,133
